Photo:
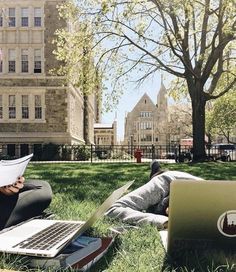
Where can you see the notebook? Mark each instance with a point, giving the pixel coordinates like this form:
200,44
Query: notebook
45,238
202,215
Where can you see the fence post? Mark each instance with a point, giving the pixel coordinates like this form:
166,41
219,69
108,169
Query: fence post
91,153
153,151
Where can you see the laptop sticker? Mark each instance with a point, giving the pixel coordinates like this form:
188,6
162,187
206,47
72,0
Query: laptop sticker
226,223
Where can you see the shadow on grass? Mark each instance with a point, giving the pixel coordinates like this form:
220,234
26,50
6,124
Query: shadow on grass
89,182
96,181
214,260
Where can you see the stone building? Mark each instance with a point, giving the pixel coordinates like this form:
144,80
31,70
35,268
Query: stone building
105,134
35,106
146,123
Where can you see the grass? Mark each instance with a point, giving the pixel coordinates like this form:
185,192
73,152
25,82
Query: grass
80,188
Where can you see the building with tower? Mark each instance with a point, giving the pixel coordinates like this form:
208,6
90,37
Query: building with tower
146,123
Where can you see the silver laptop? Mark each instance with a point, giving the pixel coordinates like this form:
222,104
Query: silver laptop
202,214
45,238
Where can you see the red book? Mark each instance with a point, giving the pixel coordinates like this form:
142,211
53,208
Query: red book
91,259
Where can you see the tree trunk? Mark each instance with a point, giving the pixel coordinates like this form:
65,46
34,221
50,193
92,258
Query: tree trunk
86,120
198,120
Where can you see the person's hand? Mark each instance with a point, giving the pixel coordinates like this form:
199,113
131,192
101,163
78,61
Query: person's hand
13,189
167,211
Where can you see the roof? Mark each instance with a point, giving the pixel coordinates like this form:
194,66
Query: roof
100,125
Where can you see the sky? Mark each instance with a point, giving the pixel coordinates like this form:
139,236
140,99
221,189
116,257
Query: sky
130,98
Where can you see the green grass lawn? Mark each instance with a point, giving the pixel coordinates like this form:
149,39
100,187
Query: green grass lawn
80,188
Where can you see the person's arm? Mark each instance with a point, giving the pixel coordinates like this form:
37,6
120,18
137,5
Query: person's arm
13,189
131,207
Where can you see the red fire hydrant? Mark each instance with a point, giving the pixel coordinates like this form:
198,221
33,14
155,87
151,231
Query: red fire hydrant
138,155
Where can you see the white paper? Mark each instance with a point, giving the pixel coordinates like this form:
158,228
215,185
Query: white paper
164,238
10,170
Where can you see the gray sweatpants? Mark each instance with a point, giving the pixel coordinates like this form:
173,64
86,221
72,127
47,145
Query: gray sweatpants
135,207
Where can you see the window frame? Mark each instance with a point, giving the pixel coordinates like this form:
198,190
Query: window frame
37,61
1,106
12,108
24,108
11,61
11,18
25,63
37,17
38,112
24,18
1,60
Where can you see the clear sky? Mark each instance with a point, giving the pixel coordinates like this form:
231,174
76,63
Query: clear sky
129,99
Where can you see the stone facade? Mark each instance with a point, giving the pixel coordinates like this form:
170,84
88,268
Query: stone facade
105,134
146,123
35,106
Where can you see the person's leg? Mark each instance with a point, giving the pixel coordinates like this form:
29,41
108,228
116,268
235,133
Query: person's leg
31,201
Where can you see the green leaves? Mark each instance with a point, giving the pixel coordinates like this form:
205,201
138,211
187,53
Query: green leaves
221,119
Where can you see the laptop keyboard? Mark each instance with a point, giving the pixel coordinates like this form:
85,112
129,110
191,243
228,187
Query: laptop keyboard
50,236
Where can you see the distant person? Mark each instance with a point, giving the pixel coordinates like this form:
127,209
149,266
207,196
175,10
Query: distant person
149,203
23,200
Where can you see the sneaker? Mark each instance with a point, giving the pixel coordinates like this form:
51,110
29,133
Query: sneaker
155,168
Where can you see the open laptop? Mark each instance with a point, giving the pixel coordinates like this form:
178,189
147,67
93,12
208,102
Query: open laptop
202,215
45,238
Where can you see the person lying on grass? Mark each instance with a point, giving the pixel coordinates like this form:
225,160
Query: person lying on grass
148,203
22,201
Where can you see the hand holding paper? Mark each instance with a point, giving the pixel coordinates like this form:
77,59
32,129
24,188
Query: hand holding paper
11,170
13,189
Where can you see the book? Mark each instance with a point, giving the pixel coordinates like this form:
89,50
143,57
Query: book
86,263
10,170
74,252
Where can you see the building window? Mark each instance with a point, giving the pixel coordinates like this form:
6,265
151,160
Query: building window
143,137
37,61
24,61
24,17
12,61
38,106
11,150
12,17
145,114
1,109
24,150
37,16
1,57
1,20
38,151
12,107
25,107
146,125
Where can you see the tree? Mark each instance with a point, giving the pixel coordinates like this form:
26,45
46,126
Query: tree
221,119
77,61
180,121
191,40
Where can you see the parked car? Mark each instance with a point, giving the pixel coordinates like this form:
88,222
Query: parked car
224,152
184,156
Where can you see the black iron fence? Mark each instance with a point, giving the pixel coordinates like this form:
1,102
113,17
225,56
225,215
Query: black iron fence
108,153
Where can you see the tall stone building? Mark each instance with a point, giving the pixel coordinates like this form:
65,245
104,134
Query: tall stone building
146,123
36,107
